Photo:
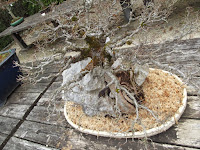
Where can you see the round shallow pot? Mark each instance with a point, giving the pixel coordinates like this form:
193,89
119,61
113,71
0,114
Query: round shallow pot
147,133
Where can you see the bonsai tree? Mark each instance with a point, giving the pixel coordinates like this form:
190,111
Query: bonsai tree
102,73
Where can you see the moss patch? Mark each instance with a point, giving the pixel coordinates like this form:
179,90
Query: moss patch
3,56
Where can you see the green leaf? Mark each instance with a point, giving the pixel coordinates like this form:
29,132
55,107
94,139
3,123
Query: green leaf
143,24
117,90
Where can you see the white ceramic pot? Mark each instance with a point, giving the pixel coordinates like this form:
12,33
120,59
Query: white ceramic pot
147,133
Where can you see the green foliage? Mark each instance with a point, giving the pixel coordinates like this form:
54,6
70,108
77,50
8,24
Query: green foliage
4,56
85,52
4,19
117,90
74,18
48,2
4,22
129,42
93,42
4,41
104,54
31,7
143,24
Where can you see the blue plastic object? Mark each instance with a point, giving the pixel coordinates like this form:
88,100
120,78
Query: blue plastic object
8,76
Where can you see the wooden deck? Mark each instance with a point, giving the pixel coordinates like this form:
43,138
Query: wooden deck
25,122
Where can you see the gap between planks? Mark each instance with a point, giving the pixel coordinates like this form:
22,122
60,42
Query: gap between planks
25,115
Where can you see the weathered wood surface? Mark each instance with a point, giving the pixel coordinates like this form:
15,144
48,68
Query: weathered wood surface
14,110
47,97
41,133
181,134
37,88
20,144
59,79
193,108
175,135
35,19
60,137
7,124
53,87
22,98
44,126
186,133
2,138
48,115
184,54
19,105
192,91
50,68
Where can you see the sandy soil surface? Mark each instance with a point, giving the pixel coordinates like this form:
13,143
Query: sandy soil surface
159,33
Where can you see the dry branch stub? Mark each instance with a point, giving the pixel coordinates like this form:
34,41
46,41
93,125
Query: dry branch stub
165,99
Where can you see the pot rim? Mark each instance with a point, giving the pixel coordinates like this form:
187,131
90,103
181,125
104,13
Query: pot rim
147,133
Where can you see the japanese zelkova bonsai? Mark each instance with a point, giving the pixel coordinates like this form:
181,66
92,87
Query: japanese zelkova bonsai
7,4
110,90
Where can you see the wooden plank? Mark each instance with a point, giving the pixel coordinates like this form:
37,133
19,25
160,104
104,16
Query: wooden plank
30,88
7,124
195,82
186,133
20,144
193,108
182,45
131,144
192,91
48,115
184,54
22,98
53,87
178,57
50,68
47,97
41,133
191,67
66,138
14,111
44,100
171,135
19,40
59,79
45,81
2,138
189,46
